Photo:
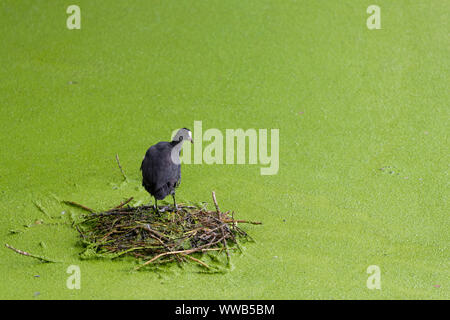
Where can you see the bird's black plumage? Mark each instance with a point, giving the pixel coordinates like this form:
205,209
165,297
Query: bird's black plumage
161,170
160,175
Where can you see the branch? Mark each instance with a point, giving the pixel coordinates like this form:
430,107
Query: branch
43,259
78,205
125,178
215,202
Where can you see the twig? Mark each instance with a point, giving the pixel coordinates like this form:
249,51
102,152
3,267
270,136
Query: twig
122,204
196,260
149,229
43,259
125,178
225,245
215,202
233,225
176,252
81,233
242,221
78,205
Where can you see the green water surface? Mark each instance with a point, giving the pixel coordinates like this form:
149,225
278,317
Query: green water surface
347,101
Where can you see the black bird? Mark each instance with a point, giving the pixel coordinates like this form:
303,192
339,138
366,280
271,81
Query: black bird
161,170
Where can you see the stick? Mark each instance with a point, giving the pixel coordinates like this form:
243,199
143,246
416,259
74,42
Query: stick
149,229
78,205
233,224
215,202
242,221
79,230
121,204
43,259
175,252
225,245
159,240
196,260
125,178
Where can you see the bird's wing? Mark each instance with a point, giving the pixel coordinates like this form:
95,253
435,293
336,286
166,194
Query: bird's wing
157,167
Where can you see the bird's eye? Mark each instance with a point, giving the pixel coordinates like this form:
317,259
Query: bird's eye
181,138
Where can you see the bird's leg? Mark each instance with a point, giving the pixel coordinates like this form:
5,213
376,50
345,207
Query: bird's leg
174,202
156,206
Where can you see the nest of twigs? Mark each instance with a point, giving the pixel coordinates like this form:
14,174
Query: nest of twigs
172,235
